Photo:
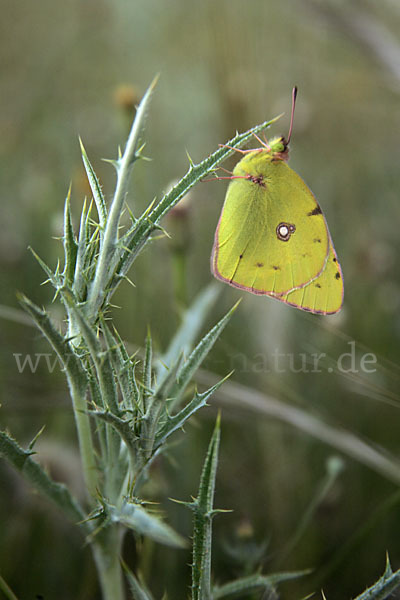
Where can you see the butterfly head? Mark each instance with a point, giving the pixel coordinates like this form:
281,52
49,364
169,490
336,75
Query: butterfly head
278,148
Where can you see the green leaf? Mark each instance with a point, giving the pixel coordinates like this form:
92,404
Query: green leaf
101,359
175,422
79,287
70,245
202,522
109,249
53,278
185,336
384,587
124,369
136,517
123,425
37,477
95,187
254,583
69,361
195,359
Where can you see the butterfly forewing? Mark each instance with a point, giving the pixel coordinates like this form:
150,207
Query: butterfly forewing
272,237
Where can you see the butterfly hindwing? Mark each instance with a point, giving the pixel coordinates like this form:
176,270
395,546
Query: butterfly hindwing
324,295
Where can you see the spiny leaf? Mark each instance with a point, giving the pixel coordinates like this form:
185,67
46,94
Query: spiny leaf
95,187
90,260
100,359
121,424
195,359
79,287
39,479
254,583
124,369
53,278
68,359
177,421
384,587
202,522
70,245
207,481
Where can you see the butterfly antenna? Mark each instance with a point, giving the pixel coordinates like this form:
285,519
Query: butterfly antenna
294,96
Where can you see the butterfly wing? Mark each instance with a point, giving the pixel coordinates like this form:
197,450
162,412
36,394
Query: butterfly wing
271,237
324,295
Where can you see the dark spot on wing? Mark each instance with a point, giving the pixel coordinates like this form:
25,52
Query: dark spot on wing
284,231
334,259
317,285
316,211
337,275
259,264
275,268
317,240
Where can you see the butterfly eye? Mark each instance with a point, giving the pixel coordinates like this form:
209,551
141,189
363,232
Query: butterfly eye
284,231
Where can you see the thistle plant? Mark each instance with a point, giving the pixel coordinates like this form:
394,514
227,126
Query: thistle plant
126,408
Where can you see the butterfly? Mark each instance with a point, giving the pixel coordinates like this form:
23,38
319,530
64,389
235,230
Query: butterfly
272,238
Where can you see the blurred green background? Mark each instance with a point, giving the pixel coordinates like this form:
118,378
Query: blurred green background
75,68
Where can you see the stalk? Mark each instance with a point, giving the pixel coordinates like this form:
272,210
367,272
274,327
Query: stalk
107,555
109,245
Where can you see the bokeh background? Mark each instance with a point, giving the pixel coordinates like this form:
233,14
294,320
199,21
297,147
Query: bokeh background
308,460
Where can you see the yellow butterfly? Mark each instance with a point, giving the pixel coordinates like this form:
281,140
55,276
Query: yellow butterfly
272,237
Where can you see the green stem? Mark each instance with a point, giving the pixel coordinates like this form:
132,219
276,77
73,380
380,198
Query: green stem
89,466
107,559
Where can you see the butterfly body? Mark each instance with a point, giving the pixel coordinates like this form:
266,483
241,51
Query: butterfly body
272,238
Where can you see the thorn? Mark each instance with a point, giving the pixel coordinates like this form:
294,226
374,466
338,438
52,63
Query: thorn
113,162
190,159
164,231
33,442
148,209
83,151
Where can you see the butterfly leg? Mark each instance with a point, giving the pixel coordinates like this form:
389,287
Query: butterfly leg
263,143
236,149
